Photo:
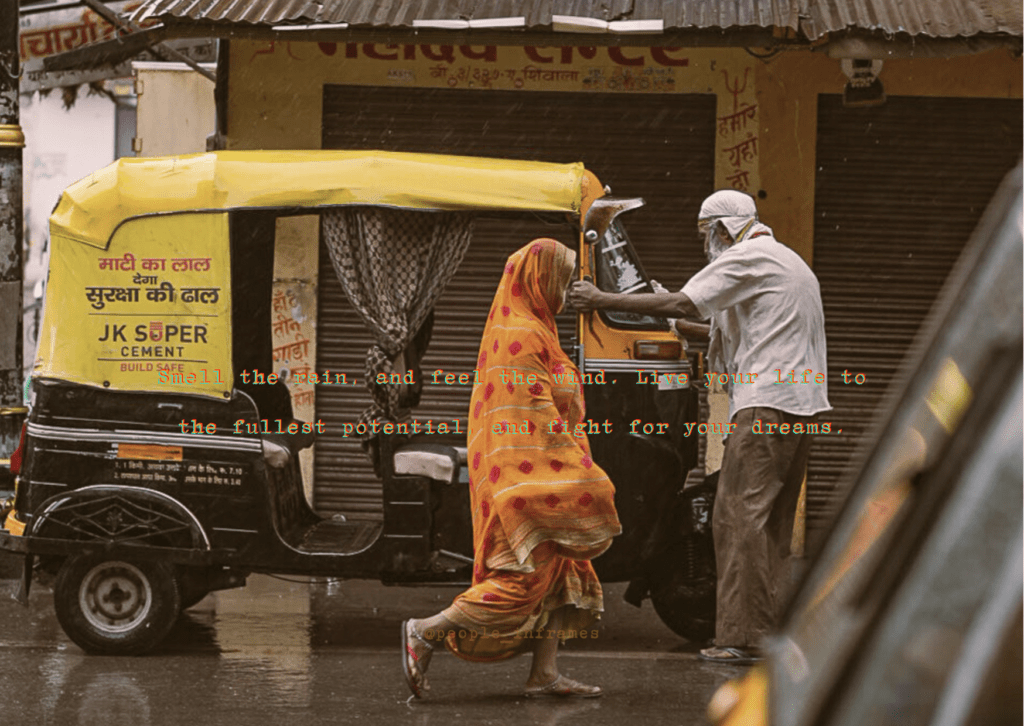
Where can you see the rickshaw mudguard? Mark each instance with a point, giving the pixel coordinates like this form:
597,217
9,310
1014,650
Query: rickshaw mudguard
103,508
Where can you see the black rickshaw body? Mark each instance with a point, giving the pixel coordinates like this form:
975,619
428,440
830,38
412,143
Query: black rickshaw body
125,481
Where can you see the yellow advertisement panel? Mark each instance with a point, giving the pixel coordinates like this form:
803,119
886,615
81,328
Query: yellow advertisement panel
150,313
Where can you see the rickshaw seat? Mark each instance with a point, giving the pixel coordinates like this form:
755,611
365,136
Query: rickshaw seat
434,461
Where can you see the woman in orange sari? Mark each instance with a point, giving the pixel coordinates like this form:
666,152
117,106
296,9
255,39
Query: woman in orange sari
541,508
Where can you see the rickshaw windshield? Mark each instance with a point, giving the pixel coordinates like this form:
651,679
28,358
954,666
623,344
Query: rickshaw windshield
619,270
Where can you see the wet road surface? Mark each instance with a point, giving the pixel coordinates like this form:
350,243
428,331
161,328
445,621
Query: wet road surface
327,652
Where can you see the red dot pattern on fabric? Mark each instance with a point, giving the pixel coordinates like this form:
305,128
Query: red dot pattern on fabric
559,368
510,387
485,508
478,573
505,310
587,461
476,409
530,426
552,500
491,597
491,316
488,391
482,359
535,249
557,426
526,467
495,345
536,389
515,347
556,465
476,460
517,289
495,473
544,355
586,499
510,268
519,503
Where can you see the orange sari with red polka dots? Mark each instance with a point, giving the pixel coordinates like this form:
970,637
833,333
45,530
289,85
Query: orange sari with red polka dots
541,507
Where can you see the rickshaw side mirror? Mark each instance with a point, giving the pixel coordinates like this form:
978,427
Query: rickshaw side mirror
603,212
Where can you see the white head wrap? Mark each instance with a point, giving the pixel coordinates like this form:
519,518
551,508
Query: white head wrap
736,210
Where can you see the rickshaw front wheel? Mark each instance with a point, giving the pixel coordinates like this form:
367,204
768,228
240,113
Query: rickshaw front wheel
116,607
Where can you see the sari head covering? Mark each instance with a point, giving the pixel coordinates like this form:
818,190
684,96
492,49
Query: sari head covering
541,507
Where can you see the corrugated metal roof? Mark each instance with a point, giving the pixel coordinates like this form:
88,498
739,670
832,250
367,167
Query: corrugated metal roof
677,14
935,18
815,18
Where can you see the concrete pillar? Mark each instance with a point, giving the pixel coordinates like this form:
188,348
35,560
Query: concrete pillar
12,140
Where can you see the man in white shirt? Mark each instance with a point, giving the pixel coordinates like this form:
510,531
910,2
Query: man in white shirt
764,305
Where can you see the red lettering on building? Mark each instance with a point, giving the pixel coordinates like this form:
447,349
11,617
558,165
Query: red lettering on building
661,57
615,53
370,51
489,53
533,53
446,53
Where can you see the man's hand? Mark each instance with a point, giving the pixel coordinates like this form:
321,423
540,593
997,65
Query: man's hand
583,296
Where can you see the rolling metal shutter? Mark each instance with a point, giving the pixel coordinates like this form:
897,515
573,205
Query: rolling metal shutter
660,147
899,189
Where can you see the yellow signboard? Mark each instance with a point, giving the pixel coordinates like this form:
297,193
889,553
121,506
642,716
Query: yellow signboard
151,312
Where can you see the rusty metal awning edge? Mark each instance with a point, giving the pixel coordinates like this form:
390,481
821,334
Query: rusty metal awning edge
851,43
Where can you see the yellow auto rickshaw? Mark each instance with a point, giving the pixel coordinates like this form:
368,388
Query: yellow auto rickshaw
160,460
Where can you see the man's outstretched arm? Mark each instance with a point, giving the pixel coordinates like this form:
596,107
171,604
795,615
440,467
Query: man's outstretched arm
585,296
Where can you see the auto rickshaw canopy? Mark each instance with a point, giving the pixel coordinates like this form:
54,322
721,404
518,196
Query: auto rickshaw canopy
139,294
91,209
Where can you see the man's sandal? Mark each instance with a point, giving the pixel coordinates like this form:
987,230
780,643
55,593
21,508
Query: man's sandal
730,656
414,668
563,687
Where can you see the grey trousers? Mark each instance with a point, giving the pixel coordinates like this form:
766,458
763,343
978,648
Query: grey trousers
758,490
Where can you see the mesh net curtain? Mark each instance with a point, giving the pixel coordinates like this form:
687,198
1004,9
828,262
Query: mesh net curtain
393,264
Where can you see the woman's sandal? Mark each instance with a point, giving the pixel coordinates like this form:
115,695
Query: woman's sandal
563,687
415,670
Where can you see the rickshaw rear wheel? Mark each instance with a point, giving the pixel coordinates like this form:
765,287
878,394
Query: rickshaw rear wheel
113,606
684,597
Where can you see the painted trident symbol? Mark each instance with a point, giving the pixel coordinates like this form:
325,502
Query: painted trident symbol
735,89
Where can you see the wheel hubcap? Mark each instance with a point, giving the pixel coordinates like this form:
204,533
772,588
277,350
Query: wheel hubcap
115,596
